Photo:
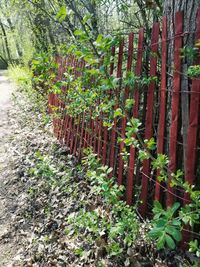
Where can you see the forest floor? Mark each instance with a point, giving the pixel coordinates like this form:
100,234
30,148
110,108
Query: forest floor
8,191
41,185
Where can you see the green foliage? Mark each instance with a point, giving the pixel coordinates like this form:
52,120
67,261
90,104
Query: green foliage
116,224
194,70
44,69
62,13
189,53
21,75
42,168
194,247
166,229
82,97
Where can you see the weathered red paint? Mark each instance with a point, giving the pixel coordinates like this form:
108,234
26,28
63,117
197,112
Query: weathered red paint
149,114
131,165
126,94
192,131
175,103
105,136
114,128
162,109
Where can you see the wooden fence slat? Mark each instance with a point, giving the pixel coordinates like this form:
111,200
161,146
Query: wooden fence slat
65,128
64,90
81,137
99,144
105,136
131,165
191,151
193,121
149,115
95,135
126,94
69,131
162,109
114,128
175,103
76,136
65,115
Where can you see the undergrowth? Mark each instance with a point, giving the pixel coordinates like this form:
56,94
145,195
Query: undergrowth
22,76
101,222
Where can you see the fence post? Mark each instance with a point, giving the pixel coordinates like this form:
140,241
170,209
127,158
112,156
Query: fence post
149,115
138,72
175,103
126,94
162,109
114,128
105,135
192,130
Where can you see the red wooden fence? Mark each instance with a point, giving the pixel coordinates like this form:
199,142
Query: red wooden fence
78,133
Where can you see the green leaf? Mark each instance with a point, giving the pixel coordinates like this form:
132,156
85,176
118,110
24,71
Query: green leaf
151,144
118,113
129,103
170,242
161,223
143,155
155,233
79,33
174,232
99,38
157,207
86,18
175,207
161,241
62,13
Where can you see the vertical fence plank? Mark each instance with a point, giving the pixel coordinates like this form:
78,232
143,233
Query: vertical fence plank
99,144
105,135
162,109
131,165
175,103
126,94
81,137
149,115
114,128
191,151
63,102
194,118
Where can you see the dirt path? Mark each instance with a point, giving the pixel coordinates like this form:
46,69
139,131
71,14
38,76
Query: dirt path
8,244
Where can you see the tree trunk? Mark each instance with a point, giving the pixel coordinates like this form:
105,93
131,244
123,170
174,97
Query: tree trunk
170,7
19,52
6,42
